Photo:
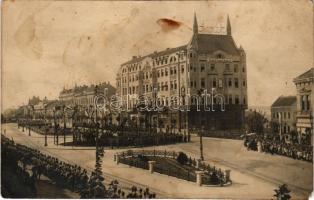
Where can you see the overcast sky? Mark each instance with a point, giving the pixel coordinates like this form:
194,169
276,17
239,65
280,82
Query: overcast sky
51,44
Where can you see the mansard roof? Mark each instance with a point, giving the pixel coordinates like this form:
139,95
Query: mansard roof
209,43
156,54
285,101
206,43
168,51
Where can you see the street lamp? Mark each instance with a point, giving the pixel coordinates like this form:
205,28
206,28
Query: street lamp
201,144
64,124
46,129
29,123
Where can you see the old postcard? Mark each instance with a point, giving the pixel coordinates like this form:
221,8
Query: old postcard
157,99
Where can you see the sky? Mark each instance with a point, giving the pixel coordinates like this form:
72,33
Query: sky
49,45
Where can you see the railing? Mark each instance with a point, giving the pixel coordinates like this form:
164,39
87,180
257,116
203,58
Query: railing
212,175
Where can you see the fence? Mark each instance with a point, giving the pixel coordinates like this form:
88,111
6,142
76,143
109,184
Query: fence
212,175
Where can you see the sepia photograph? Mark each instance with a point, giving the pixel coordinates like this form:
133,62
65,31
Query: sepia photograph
153,99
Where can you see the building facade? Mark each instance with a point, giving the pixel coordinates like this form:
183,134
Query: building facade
304,85
84,95
208,62
283,115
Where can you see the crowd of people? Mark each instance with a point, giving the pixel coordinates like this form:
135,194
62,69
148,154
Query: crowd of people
16,181
65,175
275,146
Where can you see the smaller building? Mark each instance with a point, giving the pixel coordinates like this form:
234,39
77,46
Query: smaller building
283,116
304,86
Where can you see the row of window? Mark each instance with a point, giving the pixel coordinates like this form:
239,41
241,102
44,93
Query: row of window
212,67
132,68
284,115
163,86
174,101
214,82
165,60
228,99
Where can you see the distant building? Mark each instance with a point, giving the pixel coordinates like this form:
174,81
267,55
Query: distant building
206,62
304,85
84,95
283,114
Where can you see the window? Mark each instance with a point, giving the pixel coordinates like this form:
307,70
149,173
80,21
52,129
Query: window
236,99
288,115
236,84
174,70
202,67
220,83
227,67
182,68
230,99
166,72
162,72
243,69
171,71
214,82
158,73
230,82
175,84
235,69
171,85
191,83
166,86
243,83
212,67
303,102
244,100
308,103
203,82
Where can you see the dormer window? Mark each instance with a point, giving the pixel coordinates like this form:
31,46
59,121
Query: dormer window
220,56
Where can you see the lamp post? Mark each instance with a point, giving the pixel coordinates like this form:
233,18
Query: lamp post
29,123
64,124
201,144
46,129
55,126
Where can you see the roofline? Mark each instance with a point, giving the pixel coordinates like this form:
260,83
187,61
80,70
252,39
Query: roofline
153,54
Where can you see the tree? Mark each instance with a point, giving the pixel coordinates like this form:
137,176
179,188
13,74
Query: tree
255,122
282,193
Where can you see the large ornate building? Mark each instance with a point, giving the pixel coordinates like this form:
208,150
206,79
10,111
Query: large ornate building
209,62
304,85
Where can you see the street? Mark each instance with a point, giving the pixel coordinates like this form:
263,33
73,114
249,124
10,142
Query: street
254,175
